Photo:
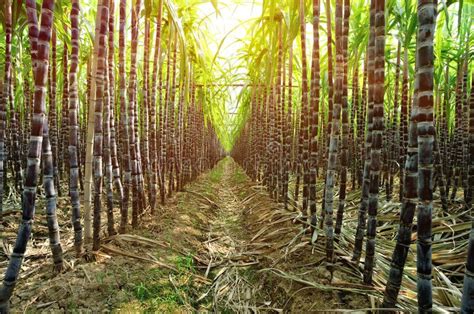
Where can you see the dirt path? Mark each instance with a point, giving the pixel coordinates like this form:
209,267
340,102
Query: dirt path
221,245
259,259
231,262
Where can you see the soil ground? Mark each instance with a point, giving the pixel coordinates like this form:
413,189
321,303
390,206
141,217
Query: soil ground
222,245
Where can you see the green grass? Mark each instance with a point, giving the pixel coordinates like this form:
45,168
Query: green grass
99,277
185,264
72,307
161,291
157,294
216,173
239,176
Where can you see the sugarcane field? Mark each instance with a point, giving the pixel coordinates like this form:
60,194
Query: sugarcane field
237,156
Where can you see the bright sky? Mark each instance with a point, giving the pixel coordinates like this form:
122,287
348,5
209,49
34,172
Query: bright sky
233,21
232,13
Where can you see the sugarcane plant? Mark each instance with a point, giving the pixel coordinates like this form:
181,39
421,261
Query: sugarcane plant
352,114
41,35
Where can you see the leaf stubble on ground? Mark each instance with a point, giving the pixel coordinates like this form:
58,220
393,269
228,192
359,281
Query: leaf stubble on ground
221,245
